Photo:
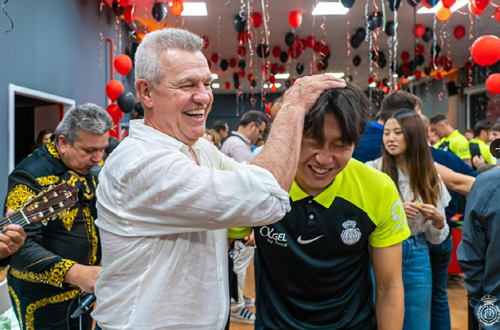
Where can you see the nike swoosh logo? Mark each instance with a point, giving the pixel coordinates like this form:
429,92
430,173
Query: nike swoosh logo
300,241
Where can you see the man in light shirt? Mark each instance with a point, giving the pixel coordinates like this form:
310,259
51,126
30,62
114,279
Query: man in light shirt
166,197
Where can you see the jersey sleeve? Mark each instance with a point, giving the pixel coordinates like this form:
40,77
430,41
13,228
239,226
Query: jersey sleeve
392,226
460,147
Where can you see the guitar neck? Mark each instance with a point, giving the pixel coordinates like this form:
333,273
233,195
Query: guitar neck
16,218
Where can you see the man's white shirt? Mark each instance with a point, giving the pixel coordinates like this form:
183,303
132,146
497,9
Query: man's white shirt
163,220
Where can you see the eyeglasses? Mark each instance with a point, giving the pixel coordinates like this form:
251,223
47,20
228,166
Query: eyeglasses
260,130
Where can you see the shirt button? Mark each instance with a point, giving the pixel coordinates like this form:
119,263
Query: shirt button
311,216
310,201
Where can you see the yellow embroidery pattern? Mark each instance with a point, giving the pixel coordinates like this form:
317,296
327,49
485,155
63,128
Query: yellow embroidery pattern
52,149
19,196
18,305
54,276
62,297
91,233
69,218
47,180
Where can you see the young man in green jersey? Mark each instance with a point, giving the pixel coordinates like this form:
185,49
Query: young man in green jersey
345,217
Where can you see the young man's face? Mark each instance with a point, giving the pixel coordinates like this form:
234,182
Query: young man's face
439,129
494,135
319,164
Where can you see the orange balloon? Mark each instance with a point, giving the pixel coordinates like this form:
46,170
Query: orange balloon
443,14
273,88
404,80
177,8
438,76
474,10
493,83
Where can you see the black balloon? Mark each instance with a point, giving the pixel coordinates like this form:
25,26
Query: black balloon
360,32
347,3
126,102
323,65
435,50
413,3
374,21
389,28
327,56
288,83
224,65
263,50
254,83
427,35
400,72
356,60
412,66
236,77
382,62
300,68
117,9
290,39
393,4
159,11
419,60
242,64
284,57
239,23
427,70
356,41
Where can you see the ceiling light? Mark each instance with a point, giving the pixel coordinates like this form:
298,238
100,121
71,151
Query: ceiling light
395,75
330,8
282,76
214,76
336,74
373,84
457,5
278,85
194,9
215,85
266,86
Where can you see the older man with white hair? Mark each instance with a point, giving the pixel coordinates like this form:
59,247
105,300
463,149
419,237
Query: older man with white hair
166,196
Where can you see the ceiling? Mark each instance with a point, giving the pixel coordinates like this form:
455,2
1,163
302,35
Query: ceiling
218,27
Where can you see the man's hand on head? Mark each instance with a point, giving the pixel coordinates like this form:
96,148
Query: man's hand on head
306,90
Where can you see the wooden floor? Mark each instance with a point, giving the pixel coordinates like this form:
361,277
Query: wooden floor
457,294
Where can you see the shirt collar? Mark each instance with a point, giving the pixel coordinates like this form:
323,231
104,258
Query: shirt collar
247,140
326,197
146,133
478,141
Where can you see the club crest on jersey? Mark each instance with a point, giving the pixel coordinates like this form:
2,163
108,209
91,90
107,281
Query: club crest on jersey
350,235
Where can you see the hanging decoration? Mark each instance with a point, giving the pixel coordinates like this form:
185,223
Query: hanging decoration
443,14
177,8
159,11
493,83
239,23
256,20
295,18
129,14
459,32
126,102
123,64
486,50
113,89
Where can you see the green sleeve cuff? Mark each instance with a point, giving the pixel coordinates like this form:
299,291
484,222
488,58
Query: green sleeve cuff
240,232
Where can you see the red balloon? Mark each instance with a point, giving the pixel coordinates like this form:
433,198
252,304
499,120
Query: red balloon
272,79
123,64
114,131
371,81
241,74
297,43
398,87
493,83
406,69
459,32
276,51
256,20
129,14
114,111
497,14
474,10
122,3
404,80
275,68
250,77
113,89
294,52
274,88
244,36
206,42
242,51
268,108
419,30
232,62
282,69
448,3
177,8
215,57
438,76
419,49
295,18
227,85
324,50
317,46
385,89
310,41
405,56
303,44
480,4
486,50
417,74
426,4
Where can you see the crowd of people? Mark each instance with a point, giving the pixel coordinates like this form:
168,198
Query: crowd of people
348,220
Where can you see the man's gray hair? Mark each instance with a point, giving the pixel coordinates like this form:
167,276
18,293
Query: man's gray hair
87,117
148,64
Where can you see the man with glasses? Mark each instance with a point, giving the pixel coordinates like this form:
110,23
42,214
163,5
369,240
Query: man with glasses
239,144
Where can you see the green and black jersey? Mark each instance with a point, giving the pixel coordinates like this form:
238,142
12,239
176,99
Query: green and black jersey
456,143
315,262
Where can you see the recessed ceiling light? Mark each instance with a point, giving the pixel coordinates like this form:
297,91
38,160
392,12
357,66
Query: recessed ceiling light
336,74
194,9
330,8
282,76
395,75
214,76
215,85
459,4
373,84
278,85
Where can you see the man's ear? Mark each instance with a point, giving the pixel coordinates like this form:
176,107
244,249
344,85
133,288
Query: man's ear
62,144
144,91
